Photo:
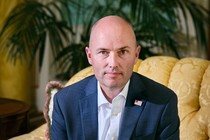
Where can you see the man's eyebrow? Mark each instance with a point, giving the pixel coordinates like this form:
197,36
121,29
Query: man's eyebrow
124,47
101,49
104,49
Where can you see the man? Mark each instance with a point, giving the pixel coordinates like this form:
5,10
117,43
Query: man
115,103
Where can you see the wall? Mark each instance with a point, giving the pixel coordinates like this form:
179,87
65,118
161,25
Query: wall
16,81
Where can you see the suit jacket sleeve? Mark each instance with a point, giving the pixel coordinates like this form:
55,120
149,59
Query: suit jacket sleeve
169,123
57,129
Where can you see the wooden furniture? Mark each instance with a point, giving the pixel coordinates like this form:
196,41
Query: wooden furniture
13,118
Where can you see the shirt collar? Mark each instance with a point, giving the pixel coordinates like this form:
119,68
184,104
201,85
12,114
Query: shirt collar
101,98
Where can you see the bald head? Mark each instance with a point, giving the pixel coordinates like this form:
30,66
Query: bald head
112,52
114,26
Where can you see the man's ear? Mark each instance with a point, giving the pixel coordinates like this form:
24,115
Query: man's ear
88,53
138,49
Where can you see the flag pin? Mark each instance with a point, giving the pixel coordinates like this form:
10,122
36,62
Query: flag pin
138,102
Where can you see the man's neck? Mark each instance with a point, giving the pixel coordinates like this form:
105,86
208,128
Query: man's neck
110,93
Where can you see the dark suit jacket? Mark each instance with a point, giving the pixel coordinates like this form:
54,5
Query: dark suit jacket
75,112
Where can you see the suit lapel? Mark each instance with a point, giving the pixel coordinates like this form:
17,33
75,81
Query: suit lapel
129,119
89,111
132,112
130,116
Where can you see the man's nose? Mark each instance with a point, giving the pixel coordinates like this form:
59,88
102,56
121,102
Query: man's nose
113,60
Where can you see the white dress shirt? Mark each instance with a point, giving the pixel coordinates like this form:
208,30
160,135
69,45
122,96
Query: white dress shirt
109,114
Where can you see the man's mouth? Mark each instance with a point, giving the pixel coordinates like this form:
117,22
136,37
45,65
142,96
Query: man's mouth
112,74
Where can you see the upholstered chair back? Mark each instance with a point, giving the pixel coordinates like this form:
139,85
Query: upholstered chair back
189,78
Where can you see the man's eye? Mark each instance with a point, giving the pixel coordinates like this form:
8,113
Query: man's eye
104,53
122,52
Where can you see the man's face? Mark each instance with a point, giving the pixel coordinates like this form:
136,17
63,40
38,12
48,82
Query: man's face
112,53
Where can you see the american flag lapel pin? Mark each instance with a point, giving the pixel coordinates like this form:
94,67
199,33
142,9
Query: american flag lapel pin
138,102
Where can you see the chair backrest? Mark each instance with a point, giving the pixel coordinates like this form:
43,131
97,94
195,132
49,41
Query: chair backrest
189,78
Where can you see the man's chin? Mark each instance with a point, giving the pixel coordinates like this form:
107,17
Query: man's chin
113,84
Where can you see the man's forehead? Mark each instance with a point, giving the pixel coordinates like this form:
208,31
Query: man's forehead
112,29
111,48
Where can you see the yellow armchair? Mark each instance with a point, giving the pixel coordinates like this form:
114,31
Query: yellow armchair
189,78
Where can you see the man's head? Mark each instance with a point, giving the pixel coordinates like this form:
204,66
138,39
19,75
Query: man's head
112,51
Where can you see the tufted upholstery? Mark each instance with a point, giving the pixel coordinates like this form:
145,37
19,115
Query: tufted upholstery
189,78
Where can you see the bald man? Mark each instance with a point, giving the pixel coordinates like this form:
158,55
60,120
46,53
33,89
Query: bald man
115,103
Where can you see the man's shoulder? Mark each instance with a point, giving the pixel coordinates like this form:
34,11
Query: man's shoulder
82,82
153,90
78,88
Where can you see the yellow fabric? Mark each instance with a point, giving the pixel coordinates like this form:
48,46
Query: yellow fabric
80,75
158,68
37,134
189,78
